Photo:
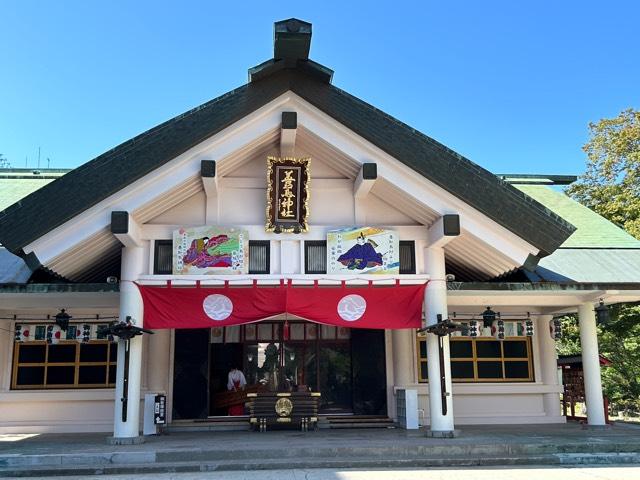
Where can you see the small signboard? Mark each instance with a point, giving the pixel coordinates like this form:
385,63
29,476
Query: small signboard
287,194
160,410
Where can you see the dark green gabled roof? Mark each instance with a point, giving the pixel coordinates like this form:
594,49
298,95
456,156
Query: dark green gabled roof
61,200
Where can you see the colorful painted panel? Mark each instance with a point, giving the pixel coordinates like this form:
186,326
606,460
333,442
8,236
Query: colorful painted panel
210,250
358,250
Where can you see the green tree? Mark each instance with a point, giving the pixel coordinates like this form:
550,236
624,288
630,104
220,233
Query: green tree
4,163
611,187
611,184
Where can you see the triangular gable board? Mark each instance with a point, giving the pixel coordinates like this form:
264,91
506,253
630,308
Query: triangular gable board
154,173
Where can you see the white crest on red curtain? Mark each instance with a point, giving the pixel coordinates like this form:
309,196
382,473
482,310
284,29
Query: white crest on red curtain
351,307
217,307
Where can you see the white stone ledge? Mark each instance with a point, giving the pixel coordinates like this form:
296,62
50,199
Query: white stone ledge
23,396
488,388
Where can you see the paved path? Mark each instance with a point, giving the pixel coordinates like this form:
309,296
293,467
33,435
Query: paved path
525,473
47,444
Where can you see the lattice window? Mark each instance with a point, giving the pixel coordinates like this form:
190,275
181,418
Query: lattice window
484,359
67,364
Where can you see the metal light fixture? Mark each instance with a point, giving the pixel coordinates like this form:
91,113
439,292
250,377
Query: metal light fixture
488,316
62,319
441,329
125,331
602,313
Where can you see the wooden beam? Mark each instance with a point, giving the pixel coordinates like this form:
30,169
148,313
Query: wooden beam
367,176
445,229
125,229
288,130
209,178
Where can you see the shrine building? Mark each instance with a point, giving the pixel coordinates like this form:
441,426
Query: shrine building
299,235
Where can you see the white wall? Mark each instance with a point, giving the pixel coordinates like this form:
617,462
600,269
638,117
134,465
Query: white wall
242,196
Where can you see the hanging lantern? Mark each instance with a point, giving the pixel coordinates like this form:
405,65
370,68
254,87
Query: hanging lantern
555,329
54,334
473,328
527,326
22,333
62,319
602,313
497,329
488,317
83,333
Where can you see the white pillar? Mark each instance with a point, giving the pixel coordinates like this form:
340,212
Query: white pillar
591,364
548,365
403,360
130,305
435,301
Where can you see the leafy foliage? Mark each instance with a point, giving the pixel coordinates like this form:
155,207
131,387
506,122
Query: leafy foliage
611,184
618,341
611,187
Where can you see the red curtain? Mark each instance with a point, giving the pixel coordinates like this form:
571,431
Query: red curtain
391,307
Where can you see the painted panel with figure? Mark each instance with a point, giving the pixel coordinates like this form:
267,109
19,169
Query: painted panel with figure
357,250
210,250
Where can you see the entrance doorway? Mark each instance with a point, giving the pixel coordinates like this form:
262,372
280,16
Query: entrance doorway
347,366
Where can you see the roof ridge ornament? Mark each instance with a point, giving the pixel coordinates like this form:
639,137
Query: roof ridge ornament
291,40
291,45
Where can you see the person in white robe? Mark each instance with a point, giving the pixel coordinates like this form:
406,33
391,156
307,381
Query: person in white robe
236,380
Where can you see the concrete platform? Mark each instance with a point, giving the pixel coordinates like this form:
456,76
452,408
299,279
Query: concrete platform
88,454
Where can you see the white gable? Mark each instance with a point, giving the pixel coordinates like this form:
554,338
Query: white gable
173,195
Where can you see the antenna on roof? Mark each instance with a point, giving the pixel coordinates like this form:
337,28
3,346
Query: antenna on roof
38,158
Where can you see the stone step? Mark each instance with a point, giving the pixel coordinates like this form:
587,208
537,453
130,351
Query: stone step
361,425
214,426
315,452
337,462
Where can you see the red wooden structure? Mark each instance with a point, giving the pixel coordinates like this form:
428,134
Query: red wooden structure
573,381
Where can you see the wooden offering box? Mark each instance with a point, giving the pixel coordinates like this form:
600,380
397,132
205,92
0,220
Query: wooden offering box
290,409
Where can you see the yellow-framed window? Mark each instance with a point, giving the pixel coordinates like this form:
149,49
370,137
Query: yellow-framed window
67,364
484,359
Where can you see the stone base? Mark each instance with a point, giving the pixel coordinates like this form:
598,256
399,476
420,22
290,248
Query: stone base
125,440
586,426
442,433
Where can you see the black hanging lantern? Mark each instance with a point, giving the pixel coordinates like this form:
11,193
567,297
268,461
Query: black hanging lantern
62,319
602,313
488,316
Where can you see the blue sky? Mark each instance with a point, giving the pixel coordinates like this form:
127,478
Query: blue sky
511,85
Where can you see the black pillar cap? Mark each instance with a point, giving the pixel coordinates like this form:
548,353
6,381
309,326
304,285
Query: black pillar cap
289,120
31,261
531,263
119,222
451,225
208,168
369,171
